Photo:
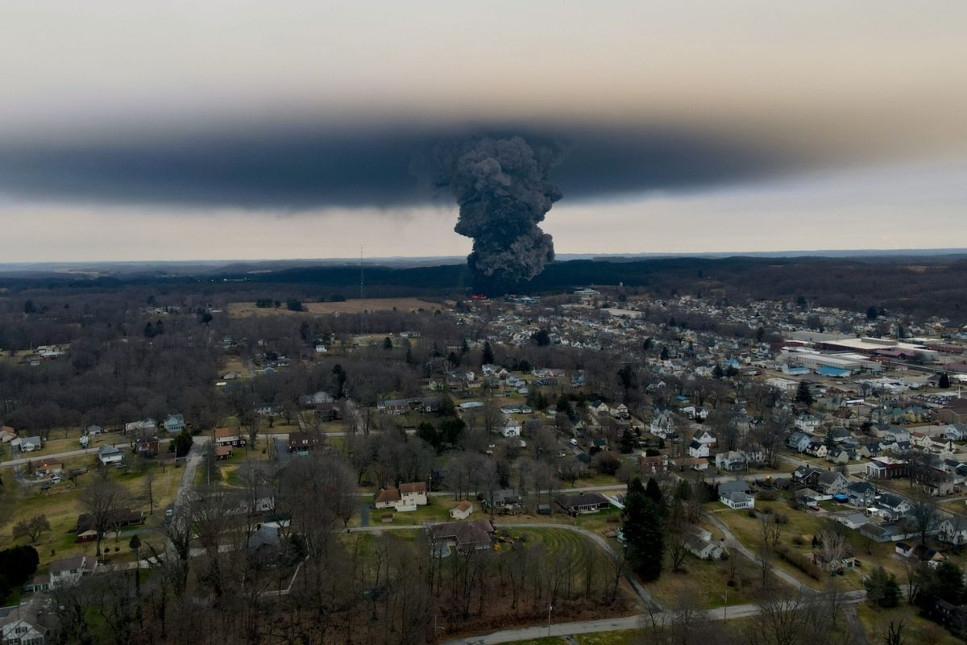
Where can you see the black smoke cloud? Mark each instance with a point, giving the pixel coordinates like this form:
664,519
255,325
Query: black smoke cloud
504,190
307,167
500,176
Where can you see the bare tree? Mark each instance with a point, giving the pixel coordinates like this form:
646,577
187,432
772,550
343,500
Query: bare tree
103,499
31,528
924,516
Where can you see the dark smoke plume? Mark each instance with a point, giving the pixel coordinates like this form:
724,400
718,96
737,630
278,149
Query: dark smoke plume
504,191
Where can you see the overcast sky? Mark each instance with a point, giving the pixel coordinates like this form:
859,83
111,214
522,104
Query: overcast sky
222,130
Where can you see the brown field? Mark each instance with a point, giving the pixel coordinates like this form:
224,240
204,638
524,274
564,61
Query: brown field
245,309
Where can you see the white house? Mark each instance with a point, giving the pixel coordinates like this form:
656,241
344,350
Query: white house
511,429
462,510
68,571
696,449
175,423
22,632
662,425
952,532
413,494
109,455
737,499
807,423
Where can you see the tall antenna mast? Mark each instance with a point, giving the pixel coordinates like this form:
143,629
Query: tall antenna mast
360,273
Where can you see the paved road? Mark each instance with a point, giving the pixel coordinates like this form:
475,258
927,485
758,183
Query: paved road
613,624
41,456
182,497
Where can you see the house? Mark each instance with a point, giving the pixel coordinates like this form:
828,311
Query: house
22,631
68,571
85,530
695,463
704,437
224,452
695,413
861,494
304,441
652,465
832,482
413,494
387,498
737,500
620,411
697,450
49,468
145,425
798,441
19,625
663,425
228,437
29,444
109,455
580,503
148,445
462,510
953,531
886,468
511,429
839,435
895,505
955,432
807,423
737,485
312,400
699,543
464,536
737,459
266,540
174,424
817,449
503,498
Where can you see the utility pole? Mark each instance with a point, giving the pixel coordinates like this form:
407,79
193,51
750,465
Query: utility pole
549,608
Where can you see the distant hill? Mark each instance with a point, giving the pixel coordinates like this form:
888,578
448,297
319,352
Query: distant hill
930,283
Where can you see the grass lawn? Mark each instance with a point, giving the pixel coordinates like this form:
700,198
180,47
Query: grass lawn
552,640
61,504
876,622
801,524
705,582
624,637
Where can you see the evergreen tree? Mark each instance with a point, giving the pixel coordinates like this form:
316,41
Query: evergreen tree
944,382
882,589
488,355
643,530
803,395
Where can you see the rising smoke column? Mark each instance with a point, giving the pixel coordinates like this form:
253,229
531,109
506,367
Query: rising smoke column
504,191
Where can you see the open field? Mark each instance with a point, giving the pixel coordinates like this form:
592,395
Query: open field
876,622
61,504
705,582
246,309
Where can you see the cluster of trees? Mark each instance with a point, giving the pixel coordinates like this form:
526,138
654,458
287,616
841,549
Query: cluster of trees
225,572
17,566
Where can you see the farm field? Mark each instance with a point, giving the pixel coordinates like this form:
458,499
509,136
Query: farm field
246,309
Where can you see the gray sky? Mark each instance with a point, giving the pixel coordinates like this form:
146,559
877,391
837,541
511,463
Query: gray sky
180,130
